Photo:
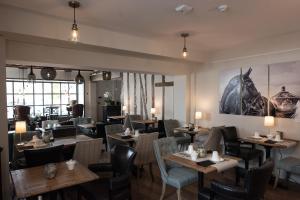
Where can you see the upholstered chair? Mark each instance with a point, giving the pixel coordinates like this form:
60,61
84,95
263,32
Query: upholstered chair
77,110
214,139
180,138
171,173
145,153
22,113
256,181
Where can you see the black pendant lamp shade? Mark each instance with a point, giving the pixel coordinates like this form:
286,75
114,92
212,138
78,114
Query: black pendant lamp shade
106,75
79,78
31,76
48,73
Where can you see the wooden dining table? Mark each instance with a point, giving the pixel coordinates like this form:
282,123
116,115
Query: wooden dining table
146,122
193,165
192,133
131,139
31,182
117,118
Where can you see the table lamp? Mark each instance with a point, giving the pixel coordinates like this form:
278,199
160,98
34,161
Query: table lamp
269,122
198,116
153,111
20,128
124,108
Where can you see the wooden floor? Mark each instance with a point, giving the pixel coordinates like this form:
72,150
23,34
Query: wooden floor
145,189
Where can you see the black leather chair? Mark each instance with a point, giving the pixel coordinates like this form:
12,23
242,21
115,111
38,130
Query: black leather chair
256,181
36,157
234,147
116,187
64,131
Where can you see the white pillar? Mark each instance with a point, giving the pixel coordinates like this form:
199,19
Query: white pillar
3,121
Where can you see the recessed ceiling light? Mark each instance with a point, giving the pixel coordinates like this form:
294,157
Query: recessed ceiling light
222,8
184,9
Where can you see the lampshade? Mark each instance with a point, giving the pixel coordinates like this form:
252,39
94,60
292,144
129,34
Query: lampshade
269,121
20,127
153,110
198,115
124,108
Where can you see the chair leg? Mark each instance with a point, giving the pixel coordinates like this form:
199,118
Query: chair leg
288,174
246,164
151,172
260,160
163,191
178,194
237,176
276,179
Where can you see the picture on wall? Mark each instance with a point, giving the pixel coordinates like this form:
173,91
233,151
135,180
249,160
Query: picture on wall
285,89
245,91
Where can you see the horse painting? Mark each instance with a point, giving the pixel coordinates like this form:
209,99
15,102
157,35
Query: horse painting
241,97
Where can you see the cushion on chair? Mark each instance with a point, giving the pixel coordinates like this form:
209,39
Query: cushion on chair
290,164
180,176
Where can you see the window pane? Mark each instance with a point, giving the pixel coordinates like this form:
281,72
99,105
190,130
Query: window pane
47,99
56,88
18,100
9,88
47,88
64,110
18,87
28,89
38,88
10,101
38,99
28,99
31,111
10,112
73,97
81,93
64,88
56,99
72,88
65,98
38,110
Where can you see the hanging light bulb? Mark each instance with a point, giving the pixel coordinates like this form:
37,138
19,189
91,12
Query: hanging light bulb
184,50
79,78
74,30
31,76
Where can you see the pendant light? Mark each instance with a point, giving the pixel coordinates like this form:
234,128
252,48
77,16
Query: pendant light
75,30
79,78
184,50
31,76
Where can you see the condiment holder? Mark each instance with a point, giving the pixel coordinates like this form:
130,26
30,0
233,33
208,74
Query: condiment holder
50,170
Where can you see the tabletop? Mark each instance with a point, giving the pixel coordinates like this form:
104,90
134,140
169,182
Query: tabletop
58,141
118,136
282,145
31,181
88,126
201,131
144,121
117,117
193,164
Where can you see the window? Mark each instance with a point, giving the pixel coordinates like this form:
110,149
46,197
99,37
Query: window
41,94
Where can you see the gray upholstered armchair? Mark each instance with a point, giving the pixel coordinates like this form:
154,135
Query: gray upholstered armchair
180,138
171,173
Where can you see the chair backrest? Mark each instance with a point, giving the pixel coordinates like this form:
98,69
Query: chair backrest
88,152
163,147
64,131
77,110
144,148
135,126
16,139
214,139
111,129
170,125
35,157
122,158
230,134
257,179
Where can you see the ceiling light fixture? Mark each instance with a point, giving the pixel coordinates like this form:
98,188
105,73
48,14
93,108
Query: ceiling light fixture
184,50
79,78
75,30
31,76
222,8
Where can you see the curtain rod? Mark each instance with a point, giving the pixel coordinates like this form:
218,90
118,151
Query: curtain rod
40,67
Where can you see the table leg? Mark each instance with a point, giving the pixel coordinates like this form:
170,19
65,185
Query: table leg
200,180
146,127
268,152
192,138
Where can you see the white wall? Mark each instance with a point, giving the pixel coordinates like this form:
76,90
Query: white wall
3,122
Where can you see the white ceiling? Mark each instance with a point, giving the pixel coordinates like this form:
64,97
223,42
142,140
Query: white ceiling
245,21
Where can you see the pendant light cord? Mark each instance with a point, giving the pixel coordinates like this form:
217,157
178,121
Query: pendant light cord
74,15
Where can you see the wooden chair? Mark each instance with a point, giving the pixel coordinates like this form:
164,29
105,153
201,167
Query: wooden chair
145,152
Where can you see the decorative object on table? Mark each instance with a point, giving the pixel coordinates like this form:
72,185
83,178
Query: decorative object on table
184,50
71,164
106,75
108,98
47,135
136,133
50,170
31,76
269,122
194,155
79,78
215,157
48,73
20,128
191,126
74,31
198,116
127,132
202,152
